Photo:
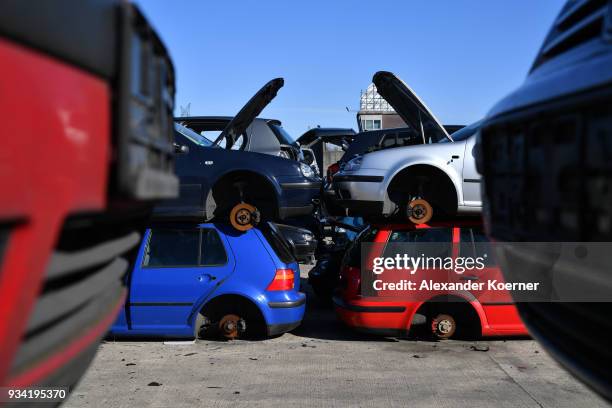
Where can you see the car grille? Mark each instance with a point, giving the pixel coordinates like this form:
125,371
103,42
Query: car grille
143,113
579,22
4,235
548,177
83,282
581,333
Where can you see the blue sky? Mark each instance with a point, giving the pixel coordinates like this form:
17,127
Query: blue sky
459,56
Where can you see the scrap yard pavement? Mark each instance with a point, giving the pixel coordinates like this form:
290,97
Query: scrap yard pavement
324,364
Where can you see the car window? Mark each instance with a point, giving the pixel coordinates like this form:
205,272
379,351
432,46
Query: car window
428,242
171,247
212,249
192,136
474,243
353,254
279,244
211,135
283,136
184,248
464,133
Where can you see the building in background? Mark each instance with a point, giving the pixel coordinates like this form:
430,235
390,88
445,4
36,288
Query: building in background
375,112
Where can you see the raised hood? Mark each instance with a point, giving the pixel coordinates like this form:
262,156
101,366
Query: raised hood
409,106
336,136
249,112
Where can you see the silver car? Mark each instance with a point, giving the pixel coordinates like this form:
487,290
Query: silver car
437,176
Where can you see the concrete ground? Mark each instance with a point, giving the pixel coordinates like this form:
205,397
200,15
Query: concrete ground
324,364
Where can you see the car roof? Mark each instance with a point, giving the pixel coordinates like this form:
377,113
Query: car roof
462,222
220,119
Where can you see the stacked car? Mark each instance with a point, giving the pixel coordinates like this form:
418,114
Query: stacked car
417,186
238,273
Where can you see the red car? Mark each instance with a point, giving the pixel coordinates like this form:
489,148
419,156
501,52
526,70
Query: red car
443,312
87,93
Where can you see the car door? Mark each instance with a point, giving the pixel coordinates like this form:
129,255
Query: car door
498,305
471,177
180,267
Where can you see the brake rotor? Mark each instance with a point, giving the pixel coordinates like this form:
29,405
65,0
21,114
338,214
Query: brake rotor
419,211
230,326
443,326
244,216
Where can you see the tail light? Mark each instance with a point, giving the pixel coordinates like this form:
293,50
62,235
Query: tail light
283,280
331,170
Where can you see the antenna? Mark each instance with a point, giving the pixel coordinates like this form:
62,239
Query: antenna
185,110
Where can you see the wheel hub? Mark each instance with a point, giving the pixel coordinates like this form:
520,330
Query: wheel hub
243,217
445,326
418,211
230,326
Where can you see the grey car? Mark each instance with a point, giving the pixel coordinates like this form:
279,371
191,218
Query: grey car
437,175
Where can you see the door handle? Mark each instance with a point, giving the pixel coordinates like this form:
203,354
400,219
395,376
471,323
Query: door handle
469,278
206,277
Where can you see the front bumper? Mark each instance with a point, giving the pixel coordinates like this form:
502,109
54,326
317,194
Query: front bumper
361,194
298,197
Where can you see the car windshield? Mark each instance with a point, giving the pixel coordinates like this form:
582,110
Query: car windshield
464,133
283,136
193,136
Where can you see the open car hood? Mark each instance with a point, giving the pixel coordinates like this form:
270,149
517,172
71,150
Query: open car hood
409,106
249,112
336,136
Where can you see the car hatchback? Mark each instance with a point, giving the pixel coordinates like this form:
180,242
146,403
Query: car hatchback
443,313
210,280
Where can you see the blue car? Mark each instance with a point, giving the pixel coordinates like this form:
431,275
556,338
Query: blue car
211,280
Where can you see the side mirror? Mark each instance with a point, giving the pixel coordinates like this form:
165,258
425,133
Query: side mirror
345,145
180,149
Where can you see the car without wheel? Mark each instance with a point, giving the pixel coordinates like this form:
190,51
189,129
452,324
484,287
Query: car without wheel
209,280
232,181
441,313
437,175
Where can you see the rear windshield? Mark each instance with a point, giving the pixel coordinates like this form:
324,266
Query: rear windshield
353,254
279,244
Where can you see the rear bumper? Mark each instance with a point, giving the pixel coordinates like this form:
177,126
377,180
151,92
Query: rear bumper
284,313
300,301
276,329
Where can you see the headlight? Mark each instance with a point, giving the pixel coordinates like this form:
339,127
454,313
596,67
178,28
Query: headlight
306,170
353,164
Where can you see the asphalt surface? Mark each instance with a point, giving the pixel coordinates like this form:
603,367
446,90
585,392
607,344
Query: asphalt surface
325,364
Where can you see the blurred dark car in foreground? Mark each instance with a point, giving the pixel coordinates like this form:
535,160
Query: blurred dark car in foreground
545,155
87,99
